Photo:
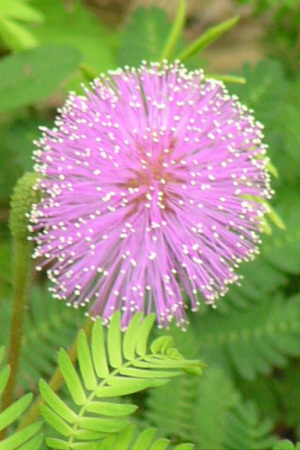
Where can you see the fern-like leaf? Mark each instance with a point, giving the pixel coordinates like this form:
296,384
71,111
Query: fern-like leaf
288,390
145,36
209,412
258,280
27,438
114,364
254,340
285,243
245,429
198,412
128,439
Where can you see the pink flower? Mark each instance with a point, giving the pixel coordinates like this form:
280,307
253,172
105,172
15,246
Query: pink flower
151,186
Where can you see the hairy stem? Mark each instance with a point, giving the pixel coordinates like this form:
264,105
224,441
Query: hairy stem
22,276
56,381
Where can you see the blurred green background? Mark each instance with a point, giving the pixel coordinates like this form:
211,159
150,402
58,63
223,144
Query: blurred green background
250,395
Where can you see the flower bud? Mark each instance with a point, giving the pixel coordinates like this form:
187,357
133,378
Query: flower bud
23,197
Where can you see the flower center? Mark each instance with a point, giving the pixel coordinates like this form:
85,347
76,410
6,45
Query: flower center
153,180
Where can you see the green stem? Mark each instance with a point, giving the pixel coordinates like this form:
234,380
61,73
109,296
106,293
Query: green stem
93,394
226,78
22,276
176,30
207,38
56,381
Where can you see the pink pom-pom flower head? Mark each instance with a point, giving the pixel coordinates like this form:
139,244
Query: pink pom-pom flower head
151,185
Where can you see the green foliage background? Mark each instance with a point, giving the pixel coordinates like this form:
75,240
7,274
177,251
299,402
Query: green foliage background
248,397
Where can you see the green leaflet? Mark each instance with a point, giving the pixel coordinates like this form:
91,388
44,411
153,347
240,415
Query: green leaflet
128,439
58,405
162,344
98,350
34,443
285,444
89,435
56,422
143,334
11,413
124,438
20,11
131,337
85,361
144,373
124,387
114,341
15,35
71,378
160,444
145,438
57,443
21,437
102,425
105,373
111,409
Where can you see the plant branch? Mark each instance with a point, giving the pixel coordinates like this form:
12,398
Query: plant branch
23,267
